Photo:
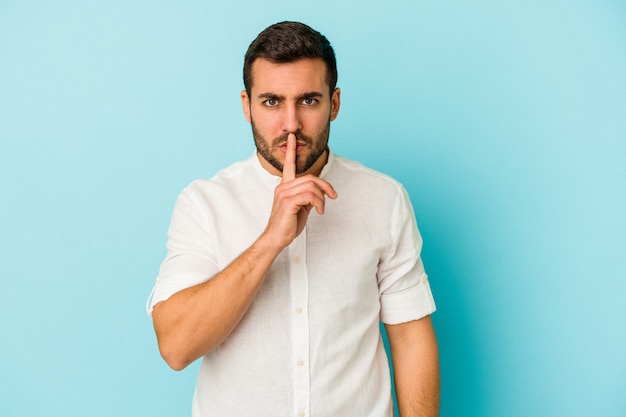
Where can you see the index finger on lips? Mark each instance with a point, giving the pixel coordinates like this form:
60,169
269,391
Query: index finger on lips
289,167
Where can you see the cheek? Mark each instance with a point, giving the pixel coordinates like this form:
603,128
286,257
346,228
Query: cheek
265,124
316,122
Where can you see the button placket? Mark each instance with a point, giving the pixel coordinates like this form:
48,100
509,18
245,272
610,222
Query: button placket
300,325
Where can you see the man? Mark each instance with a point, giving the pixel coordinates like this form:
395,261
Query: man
280,268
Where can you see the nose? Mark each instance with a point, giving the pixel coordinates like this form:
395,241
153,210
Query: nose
291,119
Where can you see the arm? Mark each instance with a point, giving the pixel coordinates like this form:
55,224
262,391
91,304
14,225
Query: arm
194,321
416,367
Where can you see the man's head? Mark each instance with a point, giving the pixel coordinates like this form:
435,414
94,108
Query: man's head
289,42
290,75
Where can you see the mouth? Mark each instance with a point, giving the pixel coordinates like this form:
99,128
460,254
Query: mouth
299,147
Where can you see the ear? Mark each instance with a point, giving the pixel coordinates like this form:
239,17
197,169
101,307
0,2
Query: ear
335,103
245,104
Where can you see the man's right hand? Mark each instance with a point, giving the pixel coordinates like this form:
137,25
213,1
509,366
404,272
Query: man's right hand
294,198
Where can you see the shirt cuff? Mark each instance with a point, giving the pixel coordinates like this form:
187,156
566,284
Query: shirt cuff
165,288
409,304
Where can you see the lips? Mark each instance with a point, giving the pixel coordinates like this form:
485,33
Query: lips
299,147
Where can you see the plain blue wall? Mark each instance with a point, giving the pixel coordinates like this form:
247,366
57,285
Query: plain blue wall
506,121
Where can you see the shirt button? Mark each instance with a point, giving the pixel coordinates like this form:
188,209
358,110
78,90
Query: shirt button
298,310
300,413
296,260
300,362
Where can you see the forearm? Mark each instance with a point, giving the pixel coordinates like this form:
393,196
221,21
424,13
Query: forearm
194,321
416,368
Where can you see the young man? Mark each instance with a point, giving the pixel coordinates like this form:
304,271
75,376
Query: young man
280,268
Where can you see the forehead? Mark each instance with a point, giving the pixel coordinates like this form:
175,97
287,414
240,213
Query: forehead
307,74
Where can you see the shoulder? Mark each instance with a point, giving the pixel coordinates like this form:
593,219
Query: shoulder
353,173
224,180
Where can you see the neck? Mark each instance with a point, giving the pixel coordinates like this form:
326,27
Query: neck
318,166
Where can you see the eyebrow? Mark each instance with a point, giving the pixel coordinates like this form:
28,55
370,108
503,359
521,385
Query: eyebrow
308,94
268,96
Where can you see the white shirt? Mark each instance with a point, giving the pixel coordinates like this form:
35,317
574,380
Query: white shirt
310,343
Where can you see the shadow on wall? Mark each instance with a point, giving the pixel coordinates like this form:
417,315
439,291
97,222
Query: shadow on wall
450,254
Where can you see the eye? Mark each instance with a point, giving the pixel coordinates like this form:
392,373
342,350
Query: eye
309,101
271,102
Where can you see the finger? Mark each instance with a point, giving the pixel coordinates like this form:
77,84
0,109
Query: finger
289,167
305,184
324,186
302,195
328,190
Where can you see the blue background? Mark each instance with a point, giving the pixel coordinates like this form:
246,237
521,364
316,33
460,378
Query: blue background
506,121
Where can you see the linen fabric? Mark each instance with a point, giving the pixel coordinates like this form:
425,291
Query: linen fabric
310,343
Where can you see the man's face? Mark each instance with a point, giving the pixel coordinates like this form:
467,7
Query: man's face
291,98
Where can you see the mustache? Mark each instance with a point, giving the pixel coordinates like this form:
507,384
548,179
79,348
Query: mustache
300,138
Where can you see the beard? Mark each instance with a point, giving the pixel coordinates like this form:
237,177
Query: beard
316,147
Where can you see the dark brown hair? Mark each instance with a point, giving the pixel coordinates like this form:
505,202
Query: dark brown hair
289,42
